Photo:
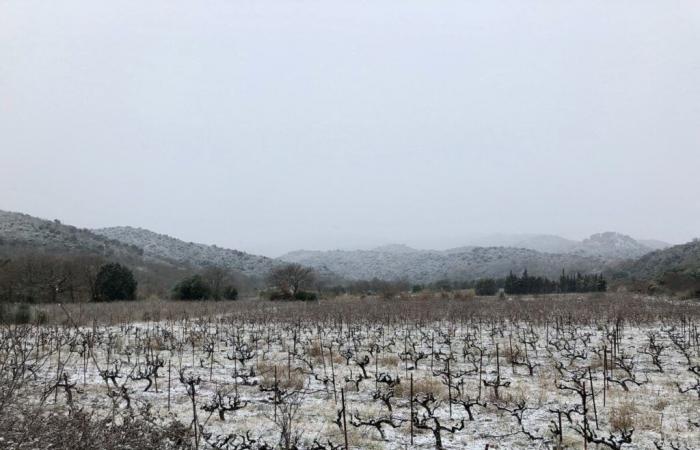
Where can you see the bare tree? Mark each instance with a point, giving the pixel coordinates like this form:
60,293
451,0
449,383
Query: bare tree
291,278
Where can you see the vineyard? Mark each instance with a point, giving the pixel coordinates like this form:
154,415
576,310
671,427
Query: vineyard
608,371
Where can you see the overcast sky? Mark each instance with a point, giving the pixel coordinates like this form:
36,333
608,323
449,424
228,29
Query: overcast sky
269,125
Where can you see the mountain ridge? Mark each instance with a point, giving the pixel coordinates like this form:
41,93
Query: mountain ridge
393,261
199,255
594,254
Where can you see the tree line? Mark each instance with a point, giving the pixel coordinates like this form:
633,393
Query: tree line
34,277
528,284
47,278
523,284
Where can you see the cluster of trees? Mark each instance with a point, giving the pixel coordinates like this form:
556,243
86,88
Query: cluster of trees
375,286
526,284
486,286
39,278
213,284
44,278
35,277
582,283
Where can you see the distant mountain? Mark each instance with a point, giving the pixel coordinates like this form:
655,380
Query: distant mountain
198,255
140,247
19,232
611,246
654,244
490,256
684,258
607,246
546,243
398,249
426,266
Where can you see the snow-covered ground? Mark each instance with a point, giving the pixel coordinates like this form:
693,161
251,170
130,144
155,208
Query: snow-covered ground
306,365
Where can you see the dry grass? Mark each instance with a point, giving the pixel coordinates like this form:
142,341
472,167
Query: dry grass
622,416
389,360
271,372
422,386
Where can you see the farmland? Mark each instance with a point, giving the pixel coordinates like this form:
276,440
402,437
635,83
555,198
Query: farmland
428,371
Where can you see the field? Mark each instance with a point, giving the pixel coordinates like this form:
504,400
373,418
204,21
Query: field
430,371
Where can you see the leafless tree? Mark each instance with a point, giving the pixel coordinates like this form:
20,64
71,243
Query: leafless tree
291,278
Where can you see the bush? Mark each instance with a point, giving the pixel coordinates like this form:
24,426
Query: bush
23,314
305,296
278,295
115,282
230,293
486,286
192,288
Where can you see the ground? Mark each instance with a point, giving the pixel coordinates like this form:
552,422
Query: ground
284,369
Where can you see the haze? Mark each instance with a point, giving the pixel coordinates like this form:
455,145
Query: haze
277,125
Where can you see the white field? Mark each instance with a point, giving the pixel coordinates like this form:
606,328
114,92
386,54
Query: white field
658,413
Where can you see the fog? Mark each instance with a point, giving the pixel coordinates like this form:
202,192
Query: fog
269,126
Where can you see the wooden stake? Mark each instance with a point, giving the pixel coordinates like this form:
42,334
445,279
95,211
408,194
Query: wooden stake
345,427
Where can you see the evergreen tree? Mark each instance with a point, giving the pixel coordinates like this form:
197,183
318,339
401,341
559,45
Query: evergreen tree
486,286
115,282
192,288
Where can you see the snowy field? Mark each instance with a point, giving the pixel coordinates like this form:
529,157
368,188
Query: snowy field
529,373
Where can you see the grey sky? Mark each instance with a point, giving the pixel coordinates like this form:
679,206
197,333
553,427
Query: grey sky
275,125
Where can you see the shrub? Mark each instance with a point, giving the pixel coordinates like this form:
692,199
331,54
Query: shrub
40,317
230,293
115,282
305,296
486,286
278,295
192,288
23,314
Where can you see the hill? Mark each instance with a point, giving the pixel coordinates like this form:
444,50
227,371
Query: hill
163,247
22,232
545,243
425,266
682,259
490,256
607,246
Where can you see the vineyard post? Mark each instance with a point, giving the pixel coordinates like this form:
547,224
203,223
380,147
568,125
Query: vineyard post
481,360
561,432
276,394
345,427
169,367
449,386
595,409
605,374
335,392
411,401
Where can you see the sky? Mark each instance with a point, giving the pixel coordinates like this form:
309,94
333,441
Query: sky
270,126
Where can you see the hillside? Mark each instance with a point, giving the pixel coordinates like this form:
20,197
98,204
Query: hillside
426,266
24,232
546,243
654,244
606,246
164,247
684,258
491,256
611,246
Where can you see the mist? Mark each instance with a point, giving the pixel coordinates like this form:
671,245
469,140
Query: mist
278,125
